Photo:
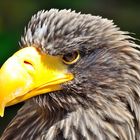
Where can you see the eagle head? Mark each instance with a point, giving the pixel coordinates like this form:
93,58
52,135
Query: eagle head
80,75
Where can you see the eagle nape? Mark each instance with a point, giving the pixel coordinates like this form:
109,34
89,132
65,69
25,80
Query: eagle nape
79,76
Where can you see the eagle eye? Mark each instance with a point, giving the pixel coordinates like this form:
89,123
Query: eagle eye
71,58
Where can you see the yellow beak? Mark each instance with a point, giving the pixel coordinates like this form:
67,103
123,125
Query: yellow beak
29,73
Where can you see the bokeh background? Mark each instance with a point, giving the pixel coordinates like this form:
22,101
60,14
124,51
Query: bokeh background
15,14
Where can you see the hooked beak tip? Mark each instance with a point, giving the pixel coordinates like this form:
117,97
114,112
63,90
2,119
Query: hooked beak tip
1,111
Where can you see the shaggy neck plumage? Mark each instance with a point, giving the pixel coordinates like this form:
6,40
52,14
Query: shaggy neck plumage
73,120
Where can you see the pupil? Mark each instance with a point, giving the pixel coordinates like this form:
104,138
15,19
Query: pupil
70,57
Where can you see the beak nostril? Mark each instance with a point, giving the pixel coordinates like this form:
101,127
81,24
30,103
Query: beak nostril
28,63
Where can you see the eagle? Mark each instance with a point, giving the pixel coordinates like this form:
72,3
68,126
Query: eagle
79,76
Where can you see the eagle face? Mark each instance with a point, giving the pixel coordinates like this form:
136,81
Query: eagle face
81,77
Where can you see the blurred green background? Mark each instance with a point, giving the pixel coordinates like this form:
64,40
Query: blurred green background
15,14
